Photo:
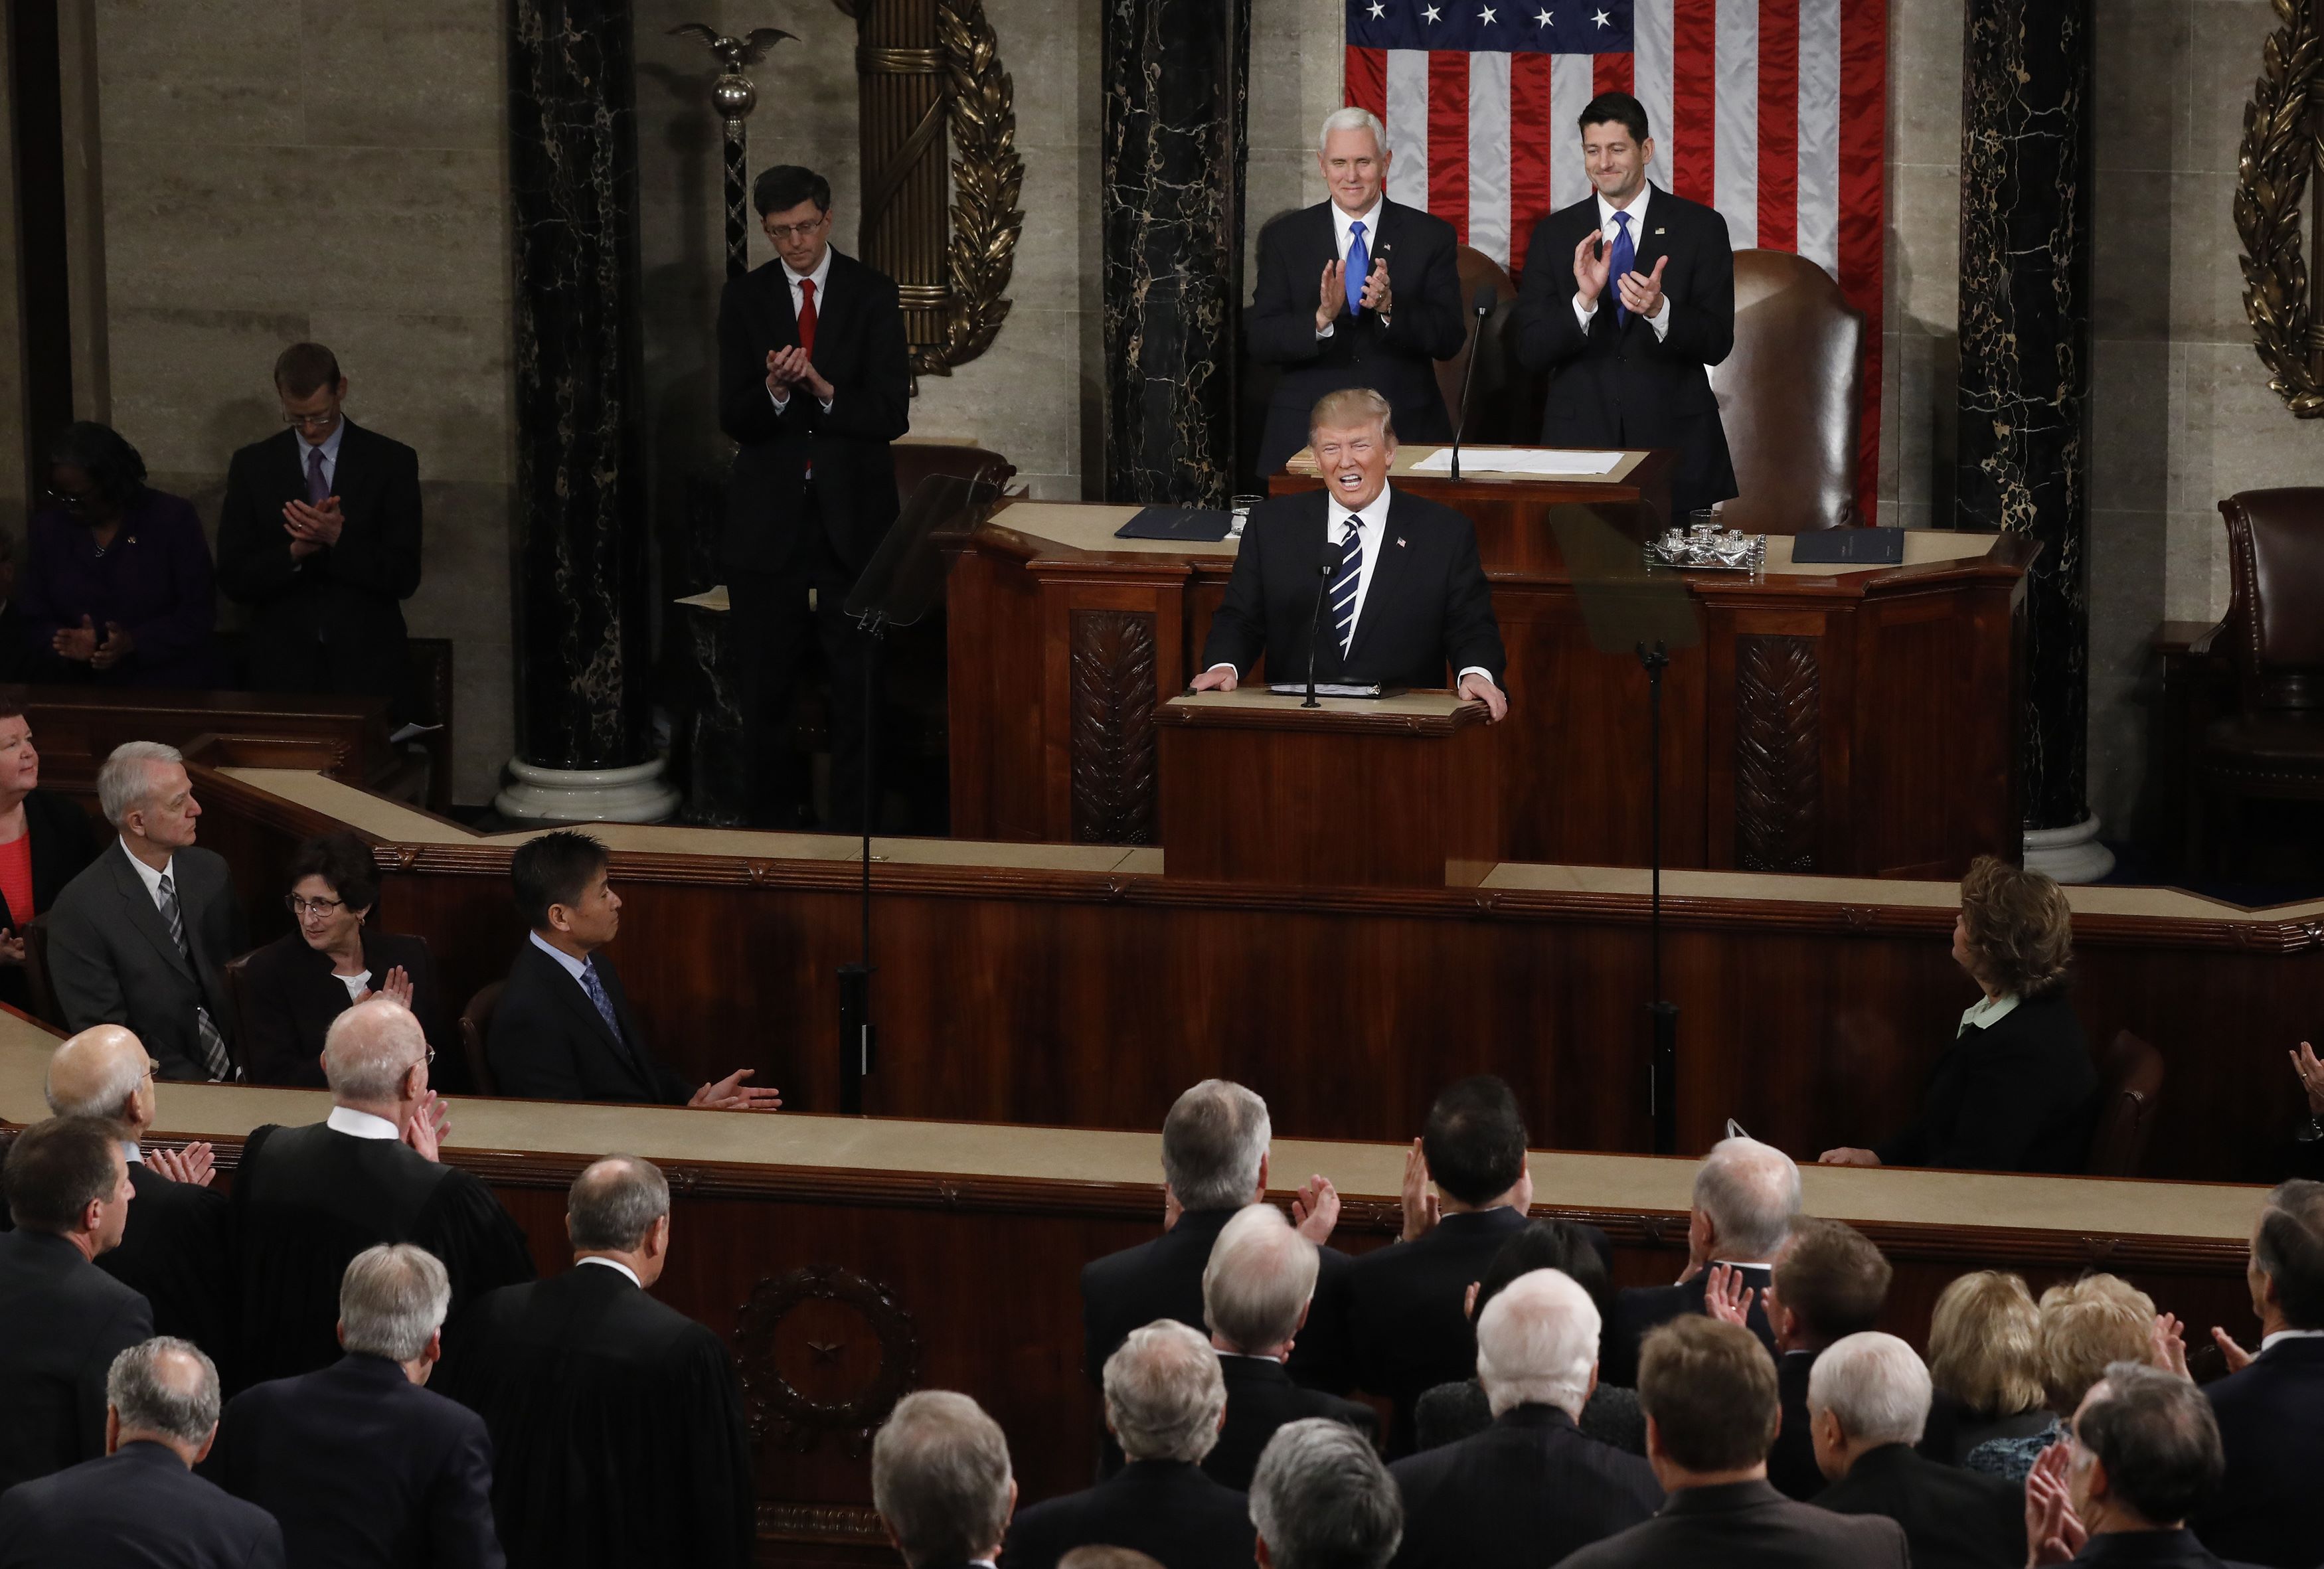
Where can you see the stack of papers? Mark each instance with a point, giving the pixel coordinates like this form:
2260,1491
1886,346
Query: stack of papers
1541,462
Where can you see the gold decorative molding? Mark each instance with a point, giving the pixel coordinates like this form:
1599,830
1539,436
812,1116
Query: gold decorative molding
2282,149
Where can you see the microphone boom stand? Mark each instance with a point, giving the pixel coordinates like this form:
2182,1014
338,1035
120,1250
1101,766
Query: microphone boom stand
1480,307
1662,1014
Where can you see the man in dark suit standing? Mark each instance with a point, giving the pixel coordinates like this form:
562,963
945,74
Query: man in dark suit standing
362,1467
940,1480
140,1505
142,937
69,1198
1709,1391
1652,304
1356,291
814,380
563,1030
616,1422
1747,1194
319,536
2143,1459
1405,594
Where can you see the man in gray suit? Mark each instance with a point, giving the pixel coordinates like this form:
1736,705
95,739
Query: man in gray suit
142,937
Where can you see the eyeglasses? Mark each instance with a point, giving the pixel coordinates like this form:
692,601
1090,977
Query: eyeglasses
74,500
779,233
306,906
312,422
153,1067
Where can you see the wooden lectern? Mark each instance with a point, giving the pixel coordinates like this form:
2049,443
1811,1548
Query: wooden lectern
1388,792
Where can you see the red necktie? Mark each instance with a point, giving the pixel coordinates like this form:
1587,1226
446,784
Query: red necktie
807,315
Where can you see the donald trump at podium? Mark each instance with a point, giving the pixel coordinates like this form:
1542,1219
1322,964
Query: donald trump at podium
1374,588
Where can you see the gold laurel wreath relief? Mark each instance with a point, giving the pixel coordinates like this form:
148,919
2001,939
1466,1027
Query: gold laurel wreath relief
2278,162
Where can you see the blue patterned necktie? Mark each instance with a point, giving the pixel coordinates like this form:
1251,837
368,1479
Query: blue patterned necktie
214,1060
1624,260
1360,266
597,990
1344,584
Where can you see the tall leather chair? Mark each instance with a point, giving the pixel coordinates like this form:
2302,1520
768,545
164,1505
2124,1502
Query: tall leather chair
1791,395
2130,1089
475,1029
2272,748
1491,416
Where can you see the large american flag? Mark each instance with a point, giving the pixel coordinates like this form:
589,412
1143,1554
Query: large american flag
1772,111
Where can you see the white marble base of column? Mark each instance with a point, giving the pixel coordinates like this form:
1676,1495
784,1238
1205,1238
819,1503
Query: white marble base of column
2069,854
637,794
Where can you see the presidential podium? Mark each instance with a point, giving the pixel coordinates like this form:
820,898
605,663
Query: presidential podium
1401,792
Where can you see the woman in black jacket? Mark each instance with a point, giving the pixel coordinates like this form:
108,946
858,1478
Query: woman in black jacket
45,841
2014,1091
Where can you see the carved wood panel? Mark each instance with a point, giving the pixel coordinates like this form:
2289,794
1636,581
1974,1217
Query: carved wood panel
824,1353
1778,753
1115,782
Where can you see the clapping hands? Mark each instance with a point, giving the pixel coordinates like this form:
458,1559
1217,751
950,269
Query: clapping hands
2053,1532
195,1164
789,369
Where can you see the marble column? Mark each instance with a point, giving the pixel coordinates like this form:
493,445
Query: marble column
2023,460
584,748
1174,75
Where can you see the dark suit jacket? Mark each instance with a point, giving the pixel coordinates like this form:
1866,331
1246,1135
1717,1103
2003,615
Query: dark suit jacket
859,349
67,1320
1952,1518
140,1508
1165,1509
62,847
177,1252
114,962
549,1042
1748,1525
2270,1414
365,1469
1397,360
1428,610
291,997
1620,385
1792,1466
2016,1096
1261,1397
333,622
1524,1493
155,578
2154,1550
1639,1310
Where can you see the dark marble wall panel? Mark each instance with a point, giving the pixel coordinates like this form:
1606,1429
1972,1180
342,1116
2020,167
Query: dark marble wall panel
1174,75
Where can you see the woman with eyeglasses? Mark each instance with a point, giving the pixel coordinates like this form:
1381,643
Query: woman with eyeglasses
117,586
330,960
45,841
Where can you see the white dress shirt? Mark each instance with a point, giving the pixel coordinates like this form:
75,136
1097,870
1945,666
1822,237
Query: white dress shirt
572,966
799,298
330,447
357,983
1660,320
1985,1012
1343,232
2266,1340
152,879
357,1124
129,1152
616,1264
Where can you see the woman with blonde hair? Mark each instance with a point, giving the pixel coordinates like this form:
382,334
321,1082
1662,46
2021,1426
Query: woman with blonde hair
1985,1364
2082,1326
2014,1091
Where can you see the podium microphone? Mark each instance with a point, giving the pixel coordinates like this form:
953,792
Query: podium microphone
1331,563
1480,307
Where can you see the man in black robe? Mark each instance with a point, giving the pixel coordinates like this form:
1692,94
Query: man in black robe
616,1422
307,1200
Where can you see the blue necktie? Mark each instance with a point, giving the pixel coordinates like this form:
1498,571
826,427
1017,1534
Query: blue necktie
1360,266
1343,585
597,994
1625,260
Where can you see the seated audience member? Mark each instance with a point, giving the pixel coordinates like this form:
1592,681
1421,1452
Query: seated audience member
2144,1458
117,586
69,1197
1256,1293
319,536
940,1480
1747,1194
139,1504
362,1467
1984,1361
307,1200
1322,1500
1870,1395
564,1031
17,662
1710,1393
174,1246
616,1422
1531,1487
2014,1091
2084,1327
1451,1412
2271,1407
142,937
44,844
329,961
1165,1399
1215,1164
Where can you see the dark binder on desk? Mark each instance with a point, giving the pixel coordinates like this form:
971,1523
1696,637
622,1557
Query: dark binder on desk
1849,546
1193,524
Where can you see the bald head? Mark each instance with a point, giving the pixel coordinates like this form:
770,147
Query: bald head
102,1073
162,1391
370,1051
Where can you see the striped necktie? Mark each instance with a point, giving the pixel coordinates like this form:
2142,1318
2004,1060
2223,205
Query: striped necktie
214,1053
1344,584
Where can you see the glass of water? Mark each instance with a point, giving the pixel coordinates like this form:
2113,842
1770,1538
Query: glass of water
1239,507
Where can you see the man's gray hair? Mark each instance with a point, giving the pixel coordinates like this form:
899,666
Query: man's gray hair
2157,1437
1164,1393
1257,1283
614,1204
1351,118
369,1048
392,1298
1751,1193
107,1096
167,1386
1537,1342
940,1478
1212,1142
1875,1384
124,780
1322,1500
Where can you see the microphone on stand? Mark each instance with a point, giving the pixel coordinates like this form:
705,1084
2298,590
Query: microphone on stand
1330,565
1481,306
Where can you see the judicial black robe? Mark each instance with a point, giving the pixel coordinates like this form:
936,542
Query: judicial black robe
616,1424
307,1200
174,1252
